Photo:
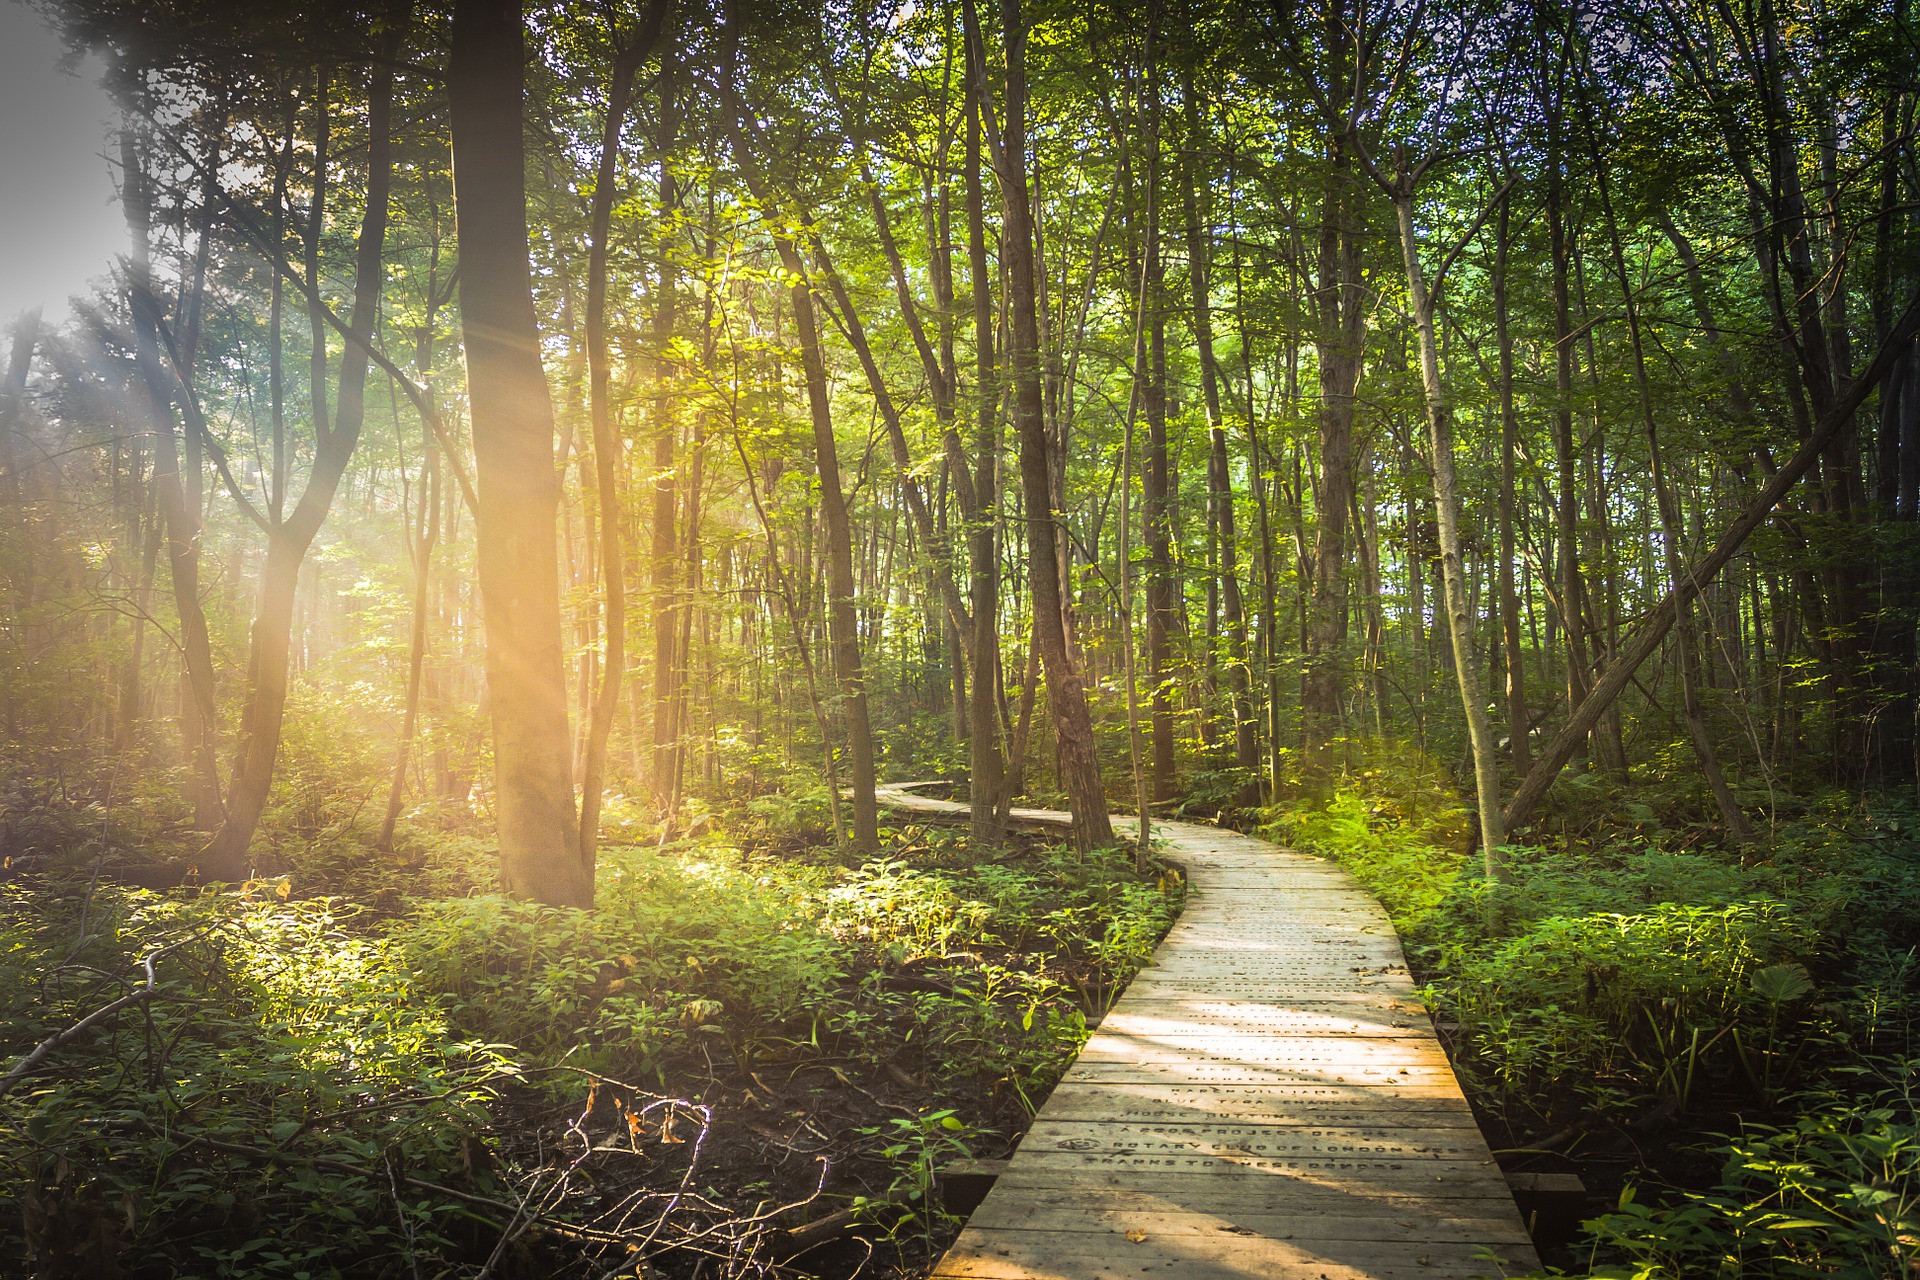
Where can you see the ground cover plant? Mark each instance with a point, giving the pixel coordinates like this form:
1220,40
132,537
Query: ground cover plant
1721,1041
319,1086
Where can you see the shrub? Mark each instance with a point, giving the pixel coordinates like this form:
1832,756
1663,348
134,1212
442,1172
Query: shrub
1835,1193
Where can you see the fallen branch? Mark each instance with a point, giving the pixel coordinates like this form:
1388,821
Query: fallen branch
40,1052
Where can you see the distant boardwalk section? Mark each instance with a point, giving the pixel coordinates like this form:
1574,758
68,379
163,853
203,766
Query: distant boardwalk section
1267,1100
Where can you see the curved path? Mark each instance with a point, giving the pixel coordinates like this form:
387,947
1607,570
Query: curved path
1267,1100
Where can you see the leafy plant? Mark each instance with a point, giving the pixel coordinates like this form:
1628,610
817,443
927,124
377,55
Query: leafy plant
916,1148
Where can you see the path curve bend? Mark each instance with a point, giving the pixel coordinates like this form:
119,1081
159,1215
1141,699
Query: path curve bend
1267,1099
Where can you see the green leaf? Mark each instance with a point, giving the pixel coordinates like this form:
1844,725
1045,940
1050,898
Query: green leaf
1780,983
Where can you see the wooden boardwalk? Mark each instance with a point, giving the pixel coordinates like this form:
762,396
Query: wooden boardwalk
1268,1099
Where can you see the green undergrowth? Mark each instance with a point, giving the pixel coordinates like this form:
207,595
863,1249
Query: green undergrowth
992,968
325,1087
1760,1002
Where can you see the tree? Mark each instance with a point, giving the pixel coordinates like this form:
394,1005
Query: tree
289,539
1066,694
513,434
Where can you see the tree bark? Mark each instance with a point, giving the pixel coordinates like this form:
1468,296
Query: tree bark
513,441
1066,694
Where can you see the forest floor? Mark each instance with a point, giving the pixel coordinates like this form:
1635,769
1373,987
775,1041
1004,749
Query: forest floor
759,1051
1717,1040
755,1051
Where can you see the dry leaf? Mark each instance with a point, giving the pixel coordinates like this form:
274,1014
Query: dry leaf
1136,1235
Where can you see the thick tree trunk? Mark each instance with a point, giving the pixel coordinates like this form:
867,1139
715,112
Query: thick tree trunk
513,441
1066,694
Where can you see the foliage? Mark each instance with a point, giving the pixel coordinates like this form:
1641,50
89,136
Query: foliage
1394,820
1595,979
1835,1193
761,956
917,1148
302,1059
293,1027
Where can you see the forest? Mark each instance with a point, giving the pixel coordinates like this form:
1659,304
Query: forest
533,475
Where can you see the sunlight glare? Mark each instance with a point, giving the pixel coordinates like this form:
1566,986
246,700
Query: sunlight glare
57,197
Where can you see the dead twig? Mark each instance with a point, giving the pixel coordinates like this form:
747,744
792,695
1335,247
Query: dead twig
139,996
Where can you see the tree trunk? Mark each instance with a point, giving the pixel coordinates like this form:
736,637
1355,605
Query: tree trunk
1246,738
1340,320
1655,625
842,627
1566,498
1066,695
513,442
425,540
226,856
1446,498
842,623
991,777
200,717
1518,722
1156,475
15,521
1672,534
607,453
